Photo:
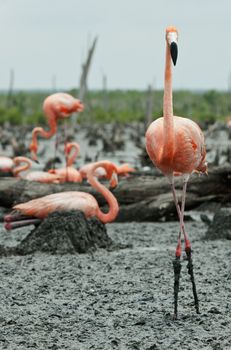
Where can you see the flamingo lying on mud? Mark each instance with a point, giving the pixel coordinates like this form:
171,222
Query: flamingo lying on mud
6,164
69,173
122,170
56,106
34,211
38,176
176,146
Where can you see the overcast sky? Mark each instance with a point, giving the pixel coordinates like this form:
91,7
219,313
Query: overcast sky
41,39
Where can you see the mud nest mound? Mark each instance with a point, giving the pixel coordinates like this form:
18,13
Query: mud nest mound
220,228
63,233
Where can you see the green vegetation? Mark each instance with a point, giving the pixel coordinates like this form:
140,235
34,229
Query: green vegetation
25,107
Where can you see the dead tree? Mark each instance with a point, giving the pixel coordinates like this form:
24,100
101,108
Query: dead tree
9,99
83,79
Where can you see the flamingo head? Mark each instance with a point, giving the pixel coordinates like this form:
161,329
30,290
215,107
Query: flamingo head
111,175
172,39
62,105
68,148
33,151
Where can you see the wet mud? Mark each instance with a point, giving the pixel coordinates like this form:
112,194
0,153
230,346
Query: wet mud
120,299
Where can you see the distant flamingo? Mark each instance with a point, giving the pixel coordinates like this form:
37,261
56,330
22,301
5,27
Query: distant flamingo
6,164
57,106
122,170
38,176
176,146
37,209
69,173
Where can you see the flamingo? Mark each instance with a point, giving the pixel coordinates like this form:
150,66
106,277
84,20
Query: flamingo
176,146
6,164
69,173
122,170
35,210
56,106
39,176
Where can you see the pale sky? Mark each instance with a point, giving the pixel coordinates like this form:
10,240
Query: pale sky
40,39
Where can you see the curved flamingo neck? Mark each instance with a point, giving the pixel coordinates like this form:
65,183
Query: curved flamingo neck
168,108
71,158
21,168
111,200
51,119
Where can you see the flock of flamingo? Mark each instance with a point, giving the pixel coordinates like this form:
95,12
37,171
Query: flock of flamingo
174,144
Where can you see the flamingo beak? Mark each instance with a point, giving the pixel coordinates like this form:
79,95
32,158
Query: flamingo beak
34,157
172,40
174,52
113,180
36,161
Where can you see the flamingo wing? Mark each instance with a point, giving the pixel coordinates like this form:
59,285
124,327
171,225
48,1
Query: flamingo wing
63,201
42,176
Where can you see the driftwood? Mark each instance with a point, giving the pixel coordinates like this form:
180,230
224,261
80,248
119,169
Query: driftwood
141,198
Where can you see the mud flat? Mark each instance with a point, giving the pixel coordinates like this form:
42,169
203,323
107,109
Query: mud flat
120,299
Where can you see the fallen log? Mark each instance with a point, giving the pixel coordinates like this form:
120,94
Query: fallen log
141,198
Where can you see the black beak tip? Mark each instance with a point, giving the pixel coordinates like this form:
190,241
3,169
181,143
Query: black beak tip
174,52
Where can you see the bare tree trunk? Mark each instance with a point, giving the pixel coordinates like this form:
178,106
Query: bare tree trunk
83,78
149,110
105,96
9,100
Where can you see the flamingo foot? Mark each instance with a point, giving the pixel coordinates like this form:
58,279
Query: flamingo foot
188,252
177,270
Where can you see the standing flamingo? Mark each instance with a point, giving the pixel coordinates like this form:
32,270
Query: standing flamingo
176,146
37,209
69,173
38,176
56,106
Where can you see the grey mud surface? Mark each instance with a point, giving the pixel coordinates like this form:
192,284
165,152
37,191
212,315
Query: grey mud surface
120,300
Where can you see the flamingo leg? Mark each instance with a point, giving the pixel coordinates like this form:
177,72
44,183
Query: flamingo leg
177,269
16,224
177,261
188,250
65,140
55,150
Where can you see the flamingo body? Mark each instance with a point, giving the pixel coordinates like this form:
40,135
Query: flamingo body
100,172
187,151
6,164
64,201
42,176
67,174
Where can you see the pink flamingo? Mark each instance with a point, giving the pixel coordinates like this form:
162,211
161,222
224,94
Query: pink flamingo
57,106
38,209
122,170
176,146
39,176
6,164
69,173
